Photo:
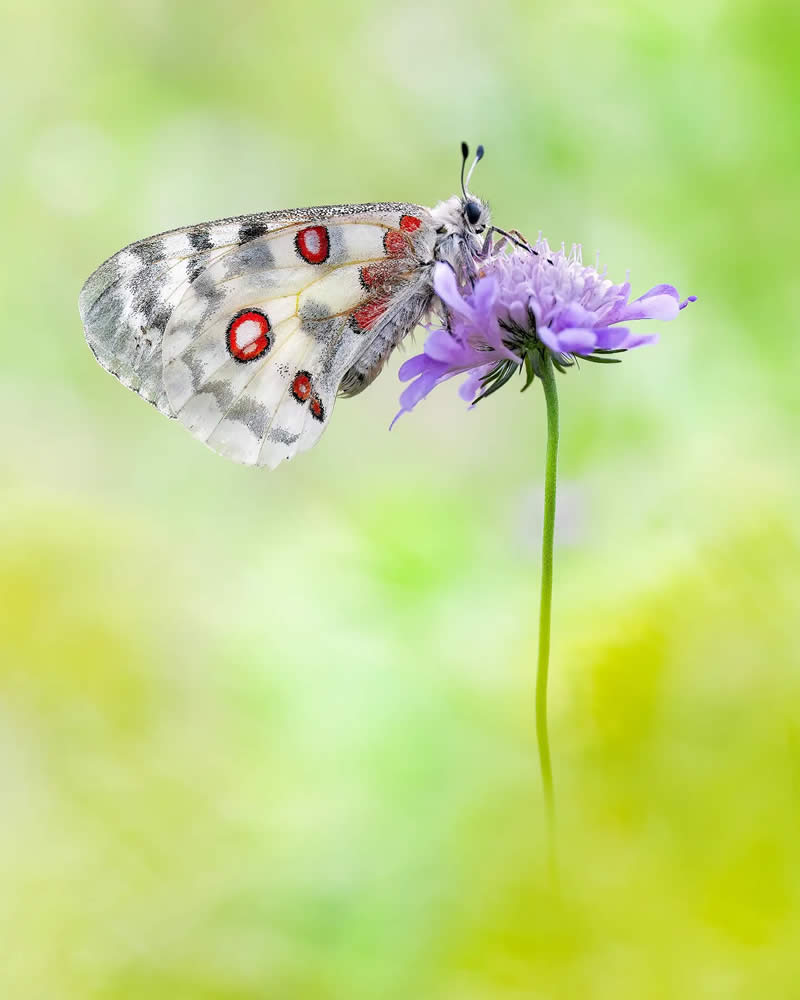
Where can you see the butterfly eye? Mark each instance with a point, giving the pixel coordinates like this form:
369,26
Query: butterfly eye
472,211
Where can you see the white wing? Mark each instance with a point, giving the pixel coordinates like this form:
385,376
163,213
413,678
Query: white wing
244,329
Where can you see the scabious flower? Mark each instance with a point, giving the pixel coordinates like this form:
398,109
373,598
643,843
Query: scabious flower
523,303
537,311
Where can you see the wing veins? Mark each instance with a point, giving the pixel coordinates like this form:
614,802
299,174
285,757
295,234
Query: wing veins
305,288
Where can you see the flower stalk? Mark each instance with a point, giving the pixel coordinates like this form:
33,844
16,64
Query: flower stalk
547,376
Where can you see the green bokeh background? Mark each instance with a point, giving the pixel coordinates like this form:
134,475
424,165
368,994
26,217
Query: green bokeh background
270,735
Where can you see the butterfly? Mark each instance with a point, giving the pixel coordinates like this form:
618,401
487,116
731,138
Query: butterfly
247,329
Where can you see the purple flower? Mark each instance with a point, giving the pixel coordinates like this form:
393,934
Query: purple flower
522,304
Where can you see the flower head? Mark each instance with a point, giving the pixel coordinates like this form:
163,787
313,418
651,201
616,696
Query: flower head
522,304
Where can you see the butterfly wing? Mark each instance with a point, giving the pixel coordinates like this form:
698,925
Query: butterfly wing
246,329
126,304
257,349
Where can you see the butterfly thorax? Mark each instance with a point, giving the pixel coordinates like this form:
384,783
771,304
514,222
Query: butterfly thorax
456,224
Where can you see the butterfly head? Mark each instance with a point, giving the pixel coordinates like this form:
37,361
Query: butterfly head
476,214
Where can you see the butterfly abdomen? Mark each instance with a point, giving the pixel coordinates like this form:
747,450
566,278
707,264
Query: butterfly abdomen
403,313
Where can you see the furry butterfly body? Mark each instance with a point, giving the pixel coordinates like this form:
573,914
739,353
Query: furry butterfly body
245,330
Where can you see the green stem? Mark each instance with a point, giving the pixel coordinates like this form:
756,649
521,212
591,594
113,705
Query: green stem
548,530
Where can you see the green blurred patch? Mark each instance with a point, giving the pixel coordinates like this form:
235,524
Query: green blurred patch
74,628
409,549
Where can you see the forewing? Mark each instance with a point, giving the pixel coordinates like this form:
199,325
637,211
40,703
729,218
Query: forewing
255,351
127,302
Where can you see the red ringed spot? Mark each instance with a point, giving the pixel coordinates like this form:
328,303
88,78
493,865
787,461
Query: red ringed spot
313,244
410,223
366,316
394,242
301,386
317,409
247,336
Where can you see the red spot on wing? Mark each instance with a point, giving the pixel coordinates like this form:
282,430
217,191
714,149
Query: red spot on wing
370,276
381,276
410,223
247,336
394,242
313,244
317,409
366,316
301,386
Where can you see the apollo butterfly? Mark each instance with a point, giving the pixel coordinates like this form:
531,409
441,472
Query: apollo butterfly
247,329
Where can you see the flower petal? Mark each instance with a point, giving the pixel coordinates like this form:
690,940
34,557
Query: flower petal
612,338
535,308
484,295
446,287
670,290
573,315
639,340
576,340
661,302
620,338
518,313
548,338
418,390
414,366
442,346
472,385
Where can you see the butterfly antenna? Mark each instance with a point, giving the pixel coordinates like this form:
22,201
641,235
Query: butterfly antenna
475,162
464,156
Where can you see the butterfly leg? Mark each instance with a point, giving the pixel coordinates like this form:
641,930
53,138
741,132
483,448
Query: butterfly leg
512,236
